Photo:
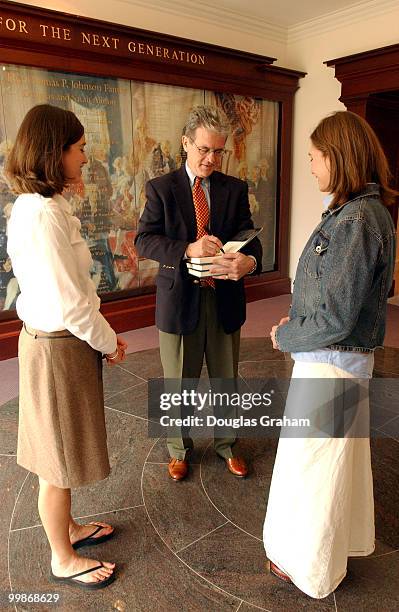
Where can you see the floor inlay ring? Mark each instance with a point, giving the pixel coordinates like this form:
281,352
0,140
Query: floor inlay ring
240,600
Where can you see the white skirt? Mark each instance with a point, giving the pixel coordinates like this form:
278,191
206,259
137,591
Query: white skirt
321,508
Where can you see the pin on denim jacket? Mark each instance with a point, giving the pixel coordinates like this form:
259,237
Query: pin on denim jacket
343,279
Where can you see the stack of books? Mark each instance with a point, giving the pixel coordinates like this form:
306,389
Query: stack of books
200,266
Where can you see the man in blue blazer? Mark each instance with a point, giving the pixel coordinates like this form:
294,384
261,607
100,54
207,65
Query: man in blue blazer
192,212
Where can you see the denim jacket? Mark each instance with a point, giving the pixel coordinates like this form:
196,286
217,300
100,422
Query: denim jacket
343,278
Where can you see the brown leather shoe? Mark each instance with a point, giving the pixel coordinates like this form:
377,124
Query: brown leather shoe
178,468
237,466
276,571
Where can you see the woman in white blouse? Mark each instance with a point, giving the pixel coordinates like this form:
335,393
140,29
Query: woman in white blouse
61,435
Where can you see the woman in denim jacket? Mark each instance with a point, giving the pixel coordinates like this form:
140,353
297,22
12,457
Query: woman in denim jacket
320,508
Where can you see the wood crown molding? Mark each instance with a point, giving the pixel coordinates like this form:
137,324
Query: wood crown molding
370,72
340,18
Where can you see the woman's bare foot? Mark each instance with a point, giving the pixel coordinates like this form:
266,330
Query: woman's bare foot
80,532
76,564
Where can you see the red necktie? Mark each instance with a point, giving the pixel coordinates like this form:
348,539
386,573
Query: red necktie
202,217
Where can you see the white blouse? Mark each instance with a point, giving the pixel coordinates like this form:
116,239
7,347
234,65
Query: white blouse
51,262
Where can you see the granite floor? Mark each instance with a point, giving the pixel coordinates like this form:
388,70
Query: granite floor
193,546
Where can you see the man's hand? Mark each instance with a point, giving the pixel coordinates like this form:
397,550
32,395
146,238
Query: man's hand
232,266
207,246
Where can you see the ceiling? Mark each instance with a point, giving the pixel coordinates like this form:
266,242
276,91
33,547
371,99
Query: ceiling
283,13
283,21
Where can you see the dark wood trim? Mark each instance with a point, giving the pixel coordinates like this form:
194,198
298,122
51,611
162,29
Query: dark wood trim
284,187
389,54
366,73
75,55
212,67
263,289
9,332
154,74
68,20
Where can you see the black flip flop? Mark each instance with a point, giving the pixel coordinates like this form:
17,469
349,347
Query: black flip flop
91,586
90,540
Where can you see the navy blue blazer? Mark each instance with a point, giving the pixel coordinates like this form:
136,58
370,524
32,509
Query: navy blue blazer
165,229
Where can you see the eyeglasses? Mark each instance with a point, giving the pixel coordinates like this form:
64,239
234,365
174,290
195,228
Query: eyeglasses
204,151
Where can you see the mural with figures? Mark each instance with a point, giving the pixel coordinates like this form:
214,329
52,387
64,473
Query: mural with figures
133,132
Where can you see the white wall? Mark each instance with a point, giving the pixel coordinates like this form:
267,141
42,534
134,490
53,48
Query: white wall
319,90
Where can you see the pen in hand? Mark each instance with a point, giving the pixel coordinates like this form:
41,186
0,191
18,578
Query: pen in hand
208,231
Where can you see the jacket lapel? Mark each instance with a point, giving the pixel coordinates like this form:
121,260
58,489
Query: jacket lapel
219,202
183,196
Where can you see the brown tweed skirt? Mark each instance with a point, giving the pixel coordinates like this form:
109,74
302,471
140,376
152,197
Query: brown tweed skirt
61,435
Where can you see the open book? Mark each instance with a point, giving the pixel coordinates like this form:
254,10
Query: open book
200,266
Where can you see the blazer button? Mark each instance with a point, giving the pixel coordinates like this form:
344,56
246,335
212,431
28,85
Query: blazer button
196,282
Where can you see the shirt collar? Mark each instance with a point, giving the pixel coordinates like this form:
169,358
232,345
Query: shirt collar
192,176
62,203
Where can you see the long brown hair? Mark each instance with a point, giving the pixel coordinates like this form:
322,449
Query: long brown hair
355,154
35,161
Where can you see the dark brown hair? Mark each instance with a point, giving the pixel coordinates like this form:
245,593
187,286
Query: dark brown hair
35,161
355,154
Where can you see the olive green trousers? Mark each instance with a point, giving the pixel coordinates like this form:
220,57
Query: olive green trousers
182,357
